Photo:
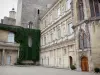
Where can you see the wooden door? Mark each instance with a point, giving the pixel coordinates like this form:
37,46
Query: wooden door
84,64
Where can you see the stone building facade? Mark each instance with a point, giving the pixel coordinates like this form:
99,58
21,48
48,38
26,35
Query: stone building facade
70,35
9,50
27,13
57,36
86,20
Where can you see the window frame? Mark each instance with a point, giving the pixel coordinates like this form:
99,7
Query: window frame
11,37
58,12
59,31
68,4
94,8
80,10
30,41
70,28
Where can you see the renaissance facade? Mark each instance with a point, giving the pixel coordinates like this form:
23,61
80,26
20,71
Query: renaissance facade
69,35
57,36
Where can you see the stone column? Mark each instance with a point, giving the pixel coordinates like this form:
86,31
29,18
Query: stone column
85,9
3,57
68,57
18,54
77,49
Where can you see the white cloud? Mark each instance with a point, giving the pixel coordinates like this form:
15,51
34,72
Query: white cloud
6,6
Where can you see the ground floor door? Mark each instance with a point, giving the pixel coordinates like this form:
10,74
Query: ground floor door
84,64
71,61
8,60
48,60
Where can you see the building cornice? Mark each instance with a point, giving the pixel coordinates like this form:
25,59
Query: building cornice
51,9
59,41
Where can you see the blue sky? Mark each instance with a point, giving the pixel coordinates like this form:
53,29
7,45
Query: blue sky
6,6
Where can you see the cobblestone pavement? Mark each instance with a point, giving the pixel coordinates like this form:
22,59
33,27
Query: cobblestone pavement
37,70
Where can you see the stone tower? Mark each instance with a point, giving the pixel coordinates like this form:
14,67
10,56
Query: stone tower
12,13
26,13
11,20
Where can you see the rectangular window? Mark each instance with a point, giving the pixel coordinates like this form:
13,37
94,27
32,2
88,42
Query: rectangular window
45,23
11,37
44,40
62,7
51,53
58,12
70,30
64,51
59,31
54,33
59,61
51,34
68,4
50,18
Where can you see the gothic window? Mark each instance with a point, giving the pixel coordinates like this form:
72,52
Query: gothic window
82,40
30,24
95,7
80,10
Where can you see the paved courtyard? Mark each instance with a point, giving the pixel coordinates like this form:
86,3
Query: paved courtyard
37,70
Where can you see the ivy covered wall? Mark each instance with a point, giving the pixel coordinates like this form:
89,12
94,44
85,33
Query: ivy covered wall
21,37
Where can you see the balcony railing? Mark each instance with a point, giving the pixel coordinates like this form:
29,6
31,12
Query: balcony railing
8,44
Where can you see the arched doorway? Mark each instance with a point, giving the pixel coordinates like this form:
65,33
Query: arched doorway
71,60
84,64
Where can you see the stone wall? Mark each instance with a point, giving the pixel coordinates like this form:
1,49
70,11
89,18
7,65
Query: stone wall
3,36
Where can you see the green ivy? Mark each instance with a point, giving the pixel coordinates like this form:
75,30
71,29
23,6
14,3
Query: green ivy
21,37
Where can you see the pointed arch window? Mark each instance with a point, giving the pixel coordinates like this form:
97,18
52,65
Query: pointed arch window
30,24
82,40
94,8
80,10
